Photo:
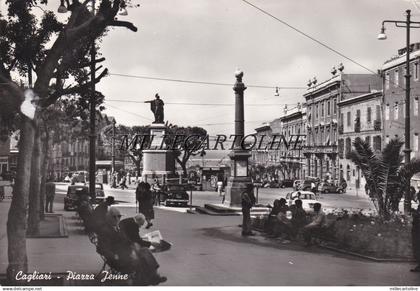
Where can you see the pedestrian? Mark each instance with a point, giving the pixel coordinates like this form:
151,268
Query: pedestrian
123,184
145,198
343,184
129,178
248,200
219,187
318,222
157,189
415,236
49,196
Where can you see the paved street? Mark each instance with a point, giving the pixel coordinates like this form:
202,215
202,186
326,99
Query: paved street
265,196
208,250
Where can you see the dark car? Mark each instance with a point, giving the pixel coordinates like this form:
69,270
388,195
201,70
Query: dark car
175,195
74,192
99,193
330,188
286,183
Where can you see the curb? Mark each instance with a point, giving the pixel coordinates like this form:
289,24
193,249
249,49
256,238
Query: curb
350,253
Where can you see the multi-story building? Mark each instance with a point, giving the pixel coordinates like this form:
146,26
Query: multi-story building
293,124
359,117
322,118
71,153
262,156
393,72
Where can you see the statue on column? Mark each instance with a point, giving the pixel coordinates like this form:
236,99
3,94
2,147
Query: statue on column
156,106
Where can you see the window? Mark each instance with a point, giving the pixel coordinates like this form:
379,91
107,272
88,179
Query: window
416,106
348,145
416,71
378,112
367,139
377,143
396,107
316,111
341,119
416,142
322,109
396,78
369,115
348,118
328,108
387,112
387,81
335,105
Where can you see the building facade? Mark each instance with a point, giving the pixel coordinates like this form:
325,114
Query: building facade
262,156
322,100
359,117
293,124
393,72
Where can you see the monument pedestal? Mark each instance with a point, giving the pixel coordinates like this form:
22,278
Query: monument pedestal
158,163
239,180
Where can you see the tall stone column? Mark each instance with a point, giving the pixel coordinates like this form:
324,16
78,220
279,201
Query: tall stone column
239,181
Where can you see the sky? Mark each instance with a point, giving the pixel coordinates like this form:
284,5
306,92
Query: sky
207,40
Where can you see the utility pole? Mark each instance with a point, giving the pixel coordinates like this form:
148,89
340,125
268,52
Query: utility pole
113,147
407,24
92,136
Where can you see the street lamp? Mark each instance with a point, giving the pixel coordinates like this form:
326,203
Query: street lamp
382,36
62,8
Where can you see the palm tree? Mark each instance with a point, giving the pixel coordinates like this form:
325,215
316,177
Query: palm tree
386,176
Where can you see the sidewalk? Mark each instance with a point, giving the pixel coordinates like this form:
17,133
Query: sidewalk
58,255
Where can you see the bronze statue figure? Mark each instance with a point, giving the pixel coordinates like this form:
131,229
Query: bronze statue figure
157,108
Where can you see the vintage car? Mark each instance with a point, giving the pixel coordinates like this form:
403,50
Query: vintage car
74,192
286,183
99,193
175,195
330,188
308,199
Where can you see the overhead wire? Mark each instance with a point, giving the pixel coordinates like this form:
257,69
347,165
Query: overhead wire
204,82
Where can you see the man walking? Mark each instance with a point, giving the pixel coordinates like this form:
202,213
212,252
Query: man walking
248,200
49,196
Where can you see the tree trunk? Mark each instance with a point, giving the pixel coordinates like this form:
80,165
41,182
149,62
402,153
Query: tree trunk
35,187
44,169
16,222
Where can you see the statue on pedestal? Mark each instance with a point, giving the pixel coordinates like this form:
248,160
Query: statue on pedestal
156,106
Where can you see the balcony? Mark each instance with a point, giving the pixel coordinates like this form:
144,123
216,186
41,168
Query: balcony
377,125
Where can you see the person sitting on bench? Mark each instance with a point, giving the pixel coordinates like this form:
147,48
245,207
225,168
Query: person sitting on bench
318,222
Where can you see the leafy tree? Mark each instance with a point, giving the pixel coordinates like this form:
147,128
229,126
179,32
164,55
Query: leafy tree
187,142
386,176
54,51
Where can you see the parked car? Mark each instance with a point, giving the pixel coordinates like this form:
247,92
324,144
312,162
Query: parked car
330,188
297,184
286,183
175,195
274,184
308,199
74,192
99,193
306,185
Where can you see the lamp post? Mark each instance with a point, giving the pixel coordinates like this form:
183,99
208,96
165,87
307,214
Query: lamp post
407,24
